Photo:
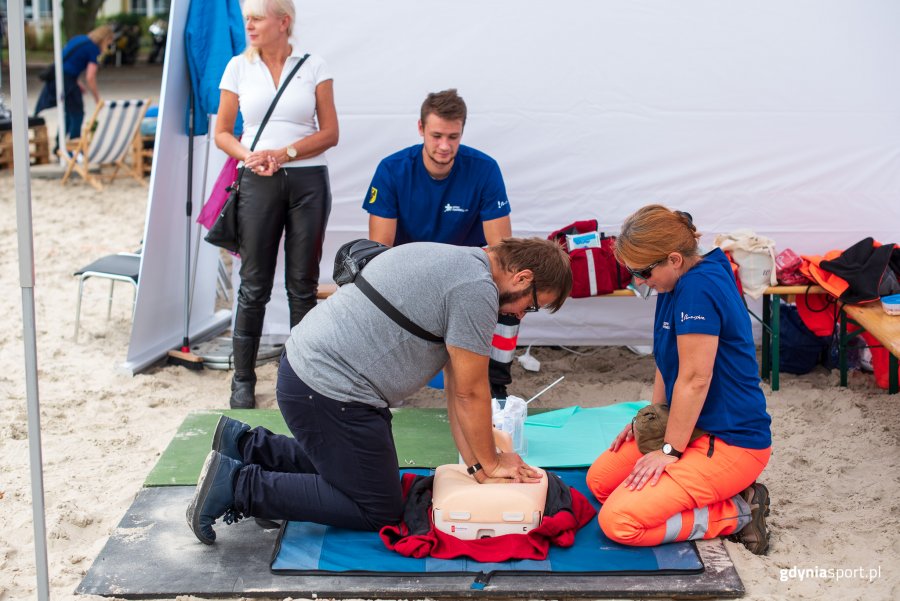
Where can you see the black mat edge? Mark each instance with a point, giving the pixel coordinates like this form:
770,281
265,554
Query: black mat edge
237,566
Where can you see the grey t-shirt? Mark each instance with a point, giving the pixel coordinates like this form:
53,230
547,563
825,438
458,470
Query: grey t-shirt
346,348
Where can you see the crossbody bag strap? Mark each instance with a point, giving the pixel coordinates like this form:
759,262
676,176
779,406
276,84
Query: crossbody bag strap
391,311
74,48
272,108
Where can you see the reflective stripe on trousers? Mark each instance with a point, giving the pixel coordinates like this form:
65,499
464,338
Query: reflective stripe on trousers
695,498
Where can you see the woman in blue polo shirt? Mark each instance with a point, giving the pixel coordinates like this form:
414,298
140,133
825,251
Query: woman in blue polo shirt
79,56
708,376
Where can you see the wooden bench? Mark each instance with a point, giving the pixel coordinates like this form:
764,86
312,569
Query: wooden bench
885,328
326,290
142,155
38,142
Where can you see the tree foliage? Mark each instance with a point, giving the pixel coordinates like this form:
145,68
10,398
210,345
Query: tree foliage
79,16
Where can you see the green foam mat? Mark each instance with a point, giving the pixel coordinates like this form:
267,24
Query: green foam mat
570,437
422,437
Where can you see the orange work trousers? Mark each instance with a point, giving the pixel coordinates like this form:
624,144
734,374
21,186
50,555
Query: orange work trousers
695,498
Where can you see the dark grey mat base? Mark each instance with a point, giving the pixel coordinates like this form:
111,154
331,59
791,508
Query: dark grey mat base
153,553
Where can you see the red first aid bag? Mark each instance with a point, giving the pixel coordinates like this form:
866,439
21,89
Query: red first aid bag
595,271
787,269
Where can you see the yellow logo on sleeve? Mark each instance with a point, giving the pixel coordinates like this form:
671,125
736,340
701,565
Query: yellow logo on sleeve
373,195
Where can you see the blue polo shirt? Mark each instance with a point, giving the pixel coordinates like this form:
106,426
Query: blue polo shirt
706,301
78,52
450,210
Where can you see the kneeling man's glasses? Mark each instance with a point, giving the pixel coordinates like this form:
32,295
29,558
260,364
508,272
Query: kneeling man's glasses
535,307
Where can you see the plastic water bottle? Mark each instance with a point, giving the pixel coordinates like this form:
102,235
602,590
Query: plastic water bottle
509,416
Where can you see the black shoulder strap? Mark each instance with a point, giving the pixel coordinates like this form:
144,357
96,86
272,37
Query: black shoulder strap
391,311
287,80
265,120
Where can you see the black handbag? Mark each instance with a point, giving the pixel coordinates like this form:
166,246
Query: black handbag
47,73
224,232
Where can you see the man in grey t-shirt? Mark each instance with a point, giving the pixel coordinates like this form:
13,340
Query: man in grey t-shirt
347,363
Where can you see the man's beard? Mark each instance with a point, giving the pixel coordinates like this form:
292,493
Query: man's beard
511,297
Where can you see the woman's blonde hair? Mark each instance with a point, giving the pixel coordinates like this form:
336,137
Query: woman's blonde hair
654,231
99,34
261,8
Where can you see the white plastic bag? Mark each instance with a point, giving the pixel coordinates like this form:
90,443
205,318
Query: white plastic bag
509,416
755,256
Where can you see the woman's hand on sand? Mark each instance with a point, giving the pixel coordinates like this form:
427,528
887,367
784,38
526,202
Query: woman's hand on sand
624,436
648,469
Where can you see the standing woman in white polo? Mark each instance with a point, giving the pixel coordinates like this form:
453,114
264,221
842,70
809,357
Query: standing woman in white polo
285,185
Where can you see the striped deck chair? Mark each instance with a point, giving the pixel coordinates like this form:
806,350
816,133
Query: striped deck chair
108,138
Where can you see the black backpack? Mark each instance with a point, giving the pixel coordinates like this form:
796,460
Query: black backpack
349,262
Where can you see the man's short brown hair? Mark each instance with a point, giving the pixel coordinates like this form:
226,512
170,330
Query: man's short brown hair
447,105
547,261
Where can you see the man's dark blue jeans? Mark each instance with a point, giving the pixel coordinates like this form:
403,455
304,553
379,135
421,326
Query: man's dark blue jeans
339,468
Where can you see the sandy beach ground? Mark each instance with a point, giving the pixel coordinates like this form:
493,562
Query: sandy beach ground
834,476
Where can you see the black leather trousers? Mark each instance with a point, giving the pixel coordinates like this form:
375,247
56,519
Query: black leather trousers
295,201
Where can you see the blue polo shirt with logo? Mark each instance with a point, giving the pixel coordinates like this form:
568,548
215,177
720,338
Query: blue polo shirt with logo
449,210
706,301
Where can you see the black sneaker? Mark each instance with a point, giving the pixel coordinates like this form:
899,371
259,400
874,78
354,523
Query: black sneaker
755,535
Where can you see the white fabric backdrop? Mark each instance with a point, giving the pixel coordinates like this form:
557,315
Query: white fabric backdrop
783,117
158,324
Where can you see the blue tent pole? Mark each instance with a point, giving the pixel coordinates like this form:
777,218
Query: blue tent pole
22,176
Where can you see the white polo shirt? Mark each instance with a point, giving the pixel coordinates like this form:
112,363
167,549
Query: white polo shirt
294,117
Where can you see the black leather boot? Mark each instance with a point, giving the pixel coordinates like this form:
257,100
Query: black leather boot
298,313
243,383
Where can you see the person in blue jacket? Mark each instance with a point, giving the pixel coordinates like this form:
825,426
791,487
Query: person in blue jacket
79,56
443,191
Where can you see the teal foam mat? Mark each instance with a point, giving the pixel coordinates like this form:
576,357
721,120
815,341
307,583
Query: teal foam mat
575,436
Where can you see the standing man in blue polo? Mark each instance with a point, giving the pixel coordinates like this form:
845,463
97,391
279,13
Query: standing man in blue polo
443,191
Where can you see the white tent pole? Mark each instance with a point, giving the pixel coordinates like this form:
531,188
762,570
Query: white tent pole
22,176
56,15
36,16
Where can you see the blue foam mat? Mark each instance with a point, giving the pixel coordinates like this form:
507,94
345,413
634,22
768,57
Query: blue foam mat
308,548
